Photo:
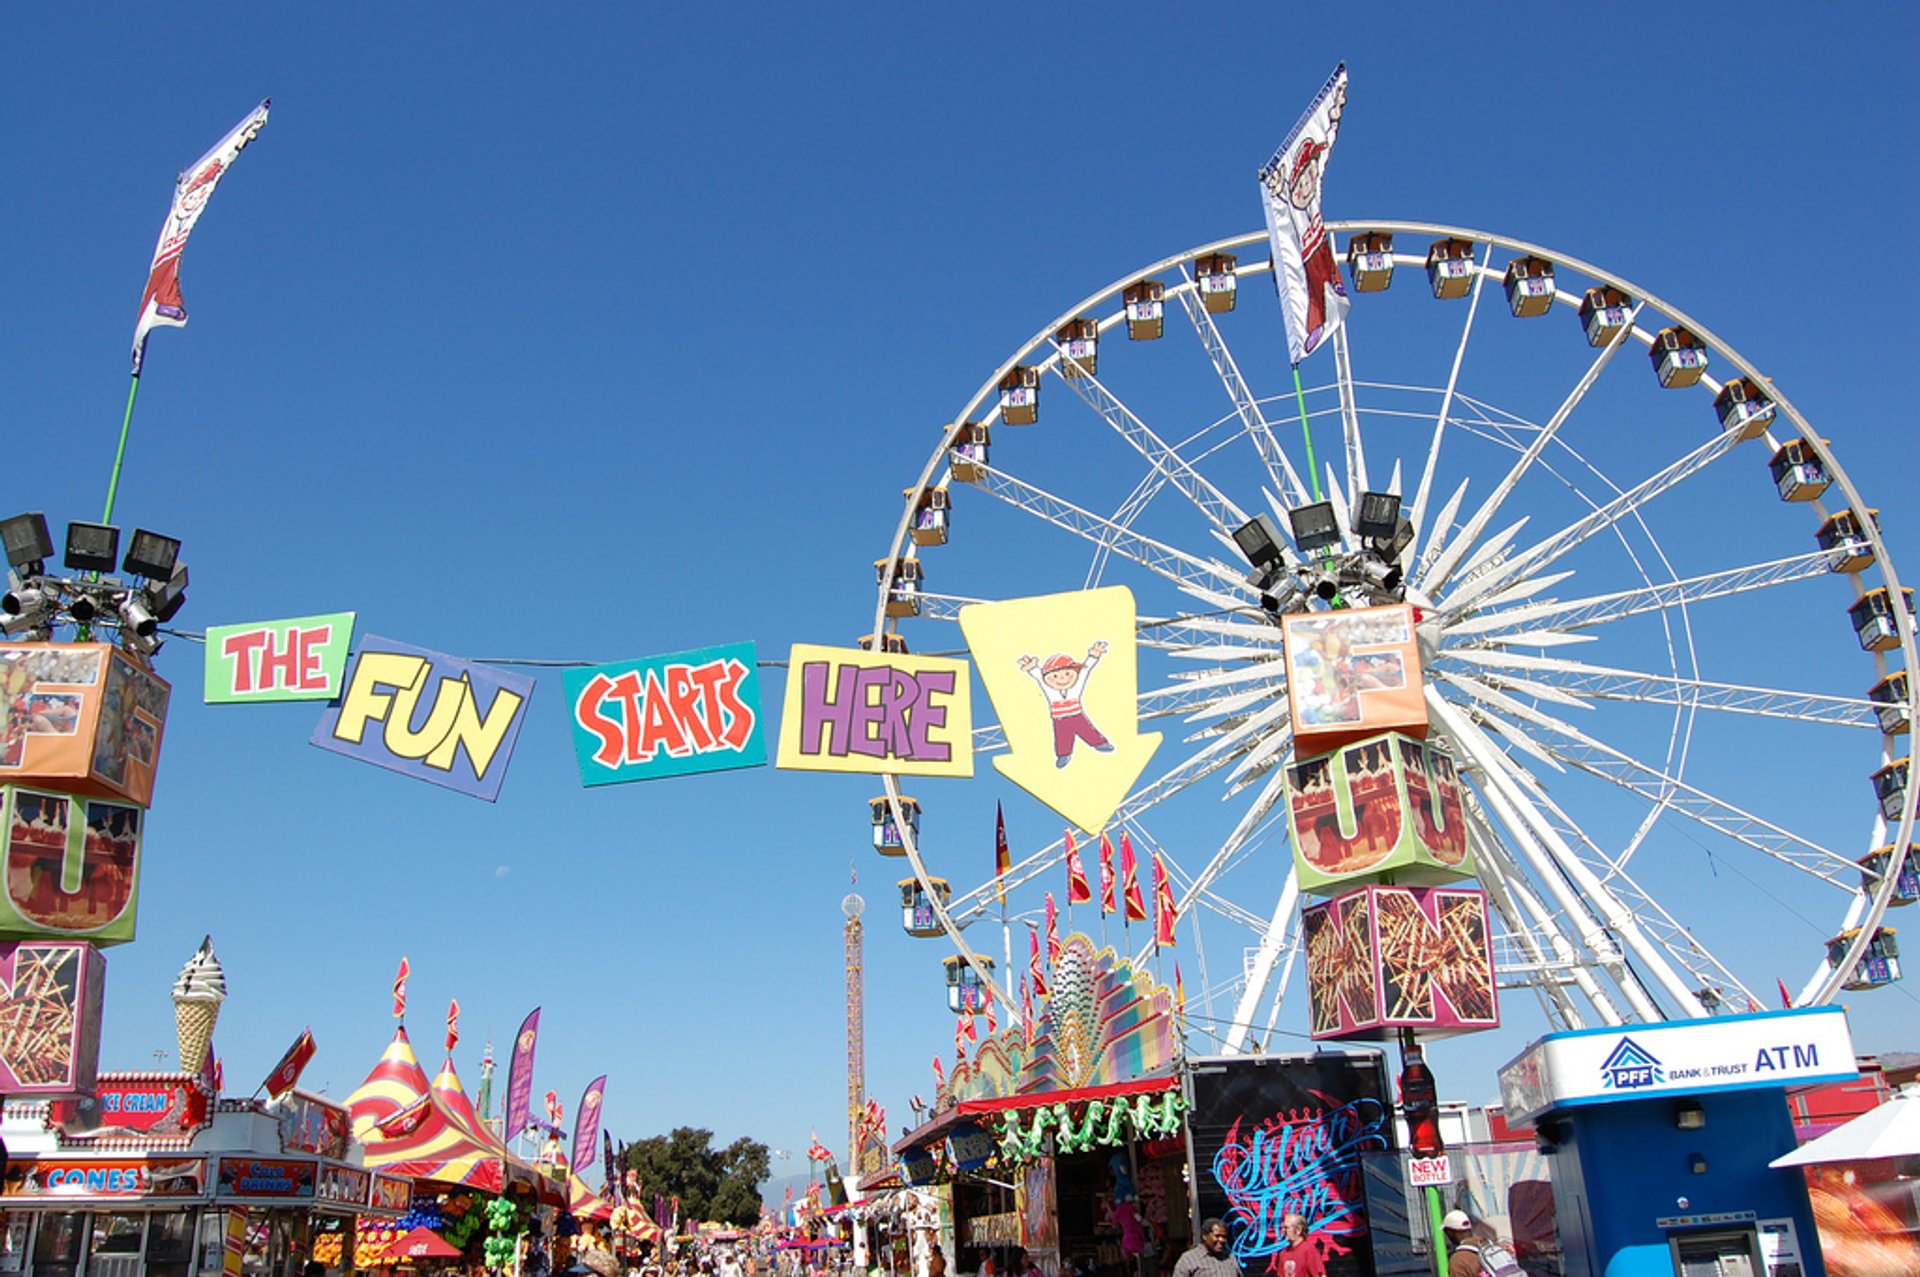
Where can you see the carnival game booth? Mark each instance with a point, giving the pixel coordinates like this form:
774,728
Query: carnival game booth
159,1177
1067,1142
427,1132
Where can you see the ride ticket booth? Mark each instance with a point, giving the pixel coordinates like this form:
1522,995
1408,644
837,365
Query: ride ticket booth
1658,1139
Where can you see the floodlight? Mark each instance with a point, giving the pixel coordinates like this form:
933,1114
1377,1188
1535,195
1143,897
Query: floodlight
1259,541
25,600
1378,516
135,618
151,555
167,599
1314,526
27,541
83,609
92,547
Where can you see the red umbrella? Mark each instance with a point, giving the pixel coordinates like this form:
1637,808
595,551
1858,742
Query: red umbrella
422,1243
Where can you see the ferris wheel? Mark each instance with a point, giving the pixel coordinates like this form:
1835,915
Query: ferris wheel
1678,705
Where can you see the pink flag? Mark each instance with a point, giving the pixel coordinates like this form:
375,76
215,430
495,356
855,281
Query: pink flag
161,303
1053,931
1107,902
1034,969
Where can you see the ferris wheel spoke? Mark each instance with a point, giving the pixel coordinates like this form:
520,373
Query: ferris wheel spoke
1213,581
1446,408
1280,472
1450,558
1556,678
1209,500
1236,841
1357,481
1598,609
1533,949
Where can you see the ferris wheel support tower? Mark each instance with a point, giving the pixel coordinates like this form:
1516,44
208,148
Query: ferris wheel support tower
852,907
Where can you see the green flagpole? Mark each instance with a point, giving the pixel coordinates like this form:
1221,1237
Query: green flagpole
1313,467
126,424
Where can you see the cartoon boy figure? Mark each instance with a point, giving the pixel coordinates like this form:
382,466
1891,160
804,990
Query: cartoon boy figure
1299,185
1063,681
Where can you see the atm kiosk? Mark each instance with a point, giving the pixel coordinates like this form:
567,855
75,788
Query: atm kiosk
1658,1138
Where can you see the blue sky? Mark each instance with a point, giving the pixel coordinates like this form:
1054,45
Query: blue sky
596,332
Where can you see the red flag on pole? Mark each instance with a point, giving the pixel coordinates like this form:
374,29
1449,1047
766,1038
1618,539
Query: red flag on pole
1034,970
286,1074
1107,902
400,990
1053,931
967,1027
1078,892
1180,996
939,1075
1026,1009
453,1024
1002,856
993,1024
1786,999
1130,882
1165,912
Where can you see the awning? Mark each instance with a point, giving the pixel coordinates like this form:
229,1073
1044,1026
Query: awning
421,1243
1892,1130
938,1127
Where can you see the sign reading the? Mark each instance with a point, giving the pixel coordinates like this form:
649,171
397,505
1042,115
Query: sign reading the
696,711
428,715
849,710
301,659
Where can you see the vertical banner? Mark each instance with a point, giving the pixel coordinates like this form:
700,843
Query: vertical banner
696,711
301,659
520,1077
1281,1135
1312,297
586,1125
427,715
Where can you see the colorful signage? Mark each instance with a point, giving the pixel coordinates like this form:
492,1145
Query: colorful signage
81,718
1388,804
969,1146
1062,671
72,866
390,1194
148,1108
50,996
107,1177
308,1124
1724,1053
1353,673
672,715
850,710
342,1184
1382,959
428,715
302,659
265,1177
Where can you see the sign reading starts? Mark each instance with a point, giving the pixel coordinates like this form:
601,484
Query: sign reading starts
849,710
670,715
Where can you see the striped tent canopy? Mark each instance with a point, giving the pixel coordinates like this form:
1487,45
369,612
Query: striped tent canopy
397,1083
436,1136
635,1223
584,1203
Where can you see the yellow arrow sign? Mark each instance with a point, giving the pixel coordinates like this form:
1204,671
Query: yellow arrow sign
1062,671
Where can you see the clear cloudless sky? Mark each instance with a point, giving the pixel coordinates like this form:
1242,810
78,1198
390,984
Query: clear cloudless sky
594,331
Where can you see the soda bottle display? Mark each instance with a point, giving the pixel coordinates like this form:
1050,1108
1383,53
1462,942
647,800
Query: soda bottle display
1419,1102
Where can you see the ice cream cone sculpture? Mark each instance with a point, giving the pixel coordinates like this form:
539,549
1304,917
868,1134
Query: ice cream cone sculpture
197,995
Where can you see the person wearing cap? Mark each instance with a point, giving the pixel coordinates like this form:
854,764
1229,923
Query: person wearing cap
1210,1257
1063,681
1465,1259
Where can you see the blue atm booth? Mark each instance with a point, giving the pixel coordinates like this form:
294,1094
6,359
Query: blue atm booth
1658,1138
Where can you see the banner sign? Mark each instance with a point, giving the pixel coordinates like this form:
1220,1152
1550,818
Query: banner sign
72,866
151,1109
586,1125
342,1184
265,1177
1352,674
1725,1053
969,1146
1280,1135
308,1124
427,715
672,715
302,659
107,1177
1383,959
520,1077
50,995
1062,671
81,718
391,1194
851,710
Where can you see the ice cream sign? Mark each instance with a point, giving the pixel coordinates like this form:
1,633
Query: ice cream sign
672,715
1738,1052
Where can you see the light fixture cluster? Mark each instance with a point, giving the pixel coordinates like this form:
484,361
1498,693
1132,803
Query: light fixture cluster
1323,569
36,602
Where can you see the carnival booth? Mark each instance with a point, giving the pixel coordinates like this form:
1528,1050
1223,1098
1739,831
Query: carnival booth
159,1177
1066,1140
1660,1137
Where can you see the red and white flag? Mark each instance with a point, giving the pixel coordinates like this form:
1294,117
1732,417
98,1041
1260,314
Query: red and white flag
1305,274
1035,971
286,1074
1002,854
939,1075
1053,931
453,1023
1107,902
161,303
1130,883
1078,892
1165,913
400,990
